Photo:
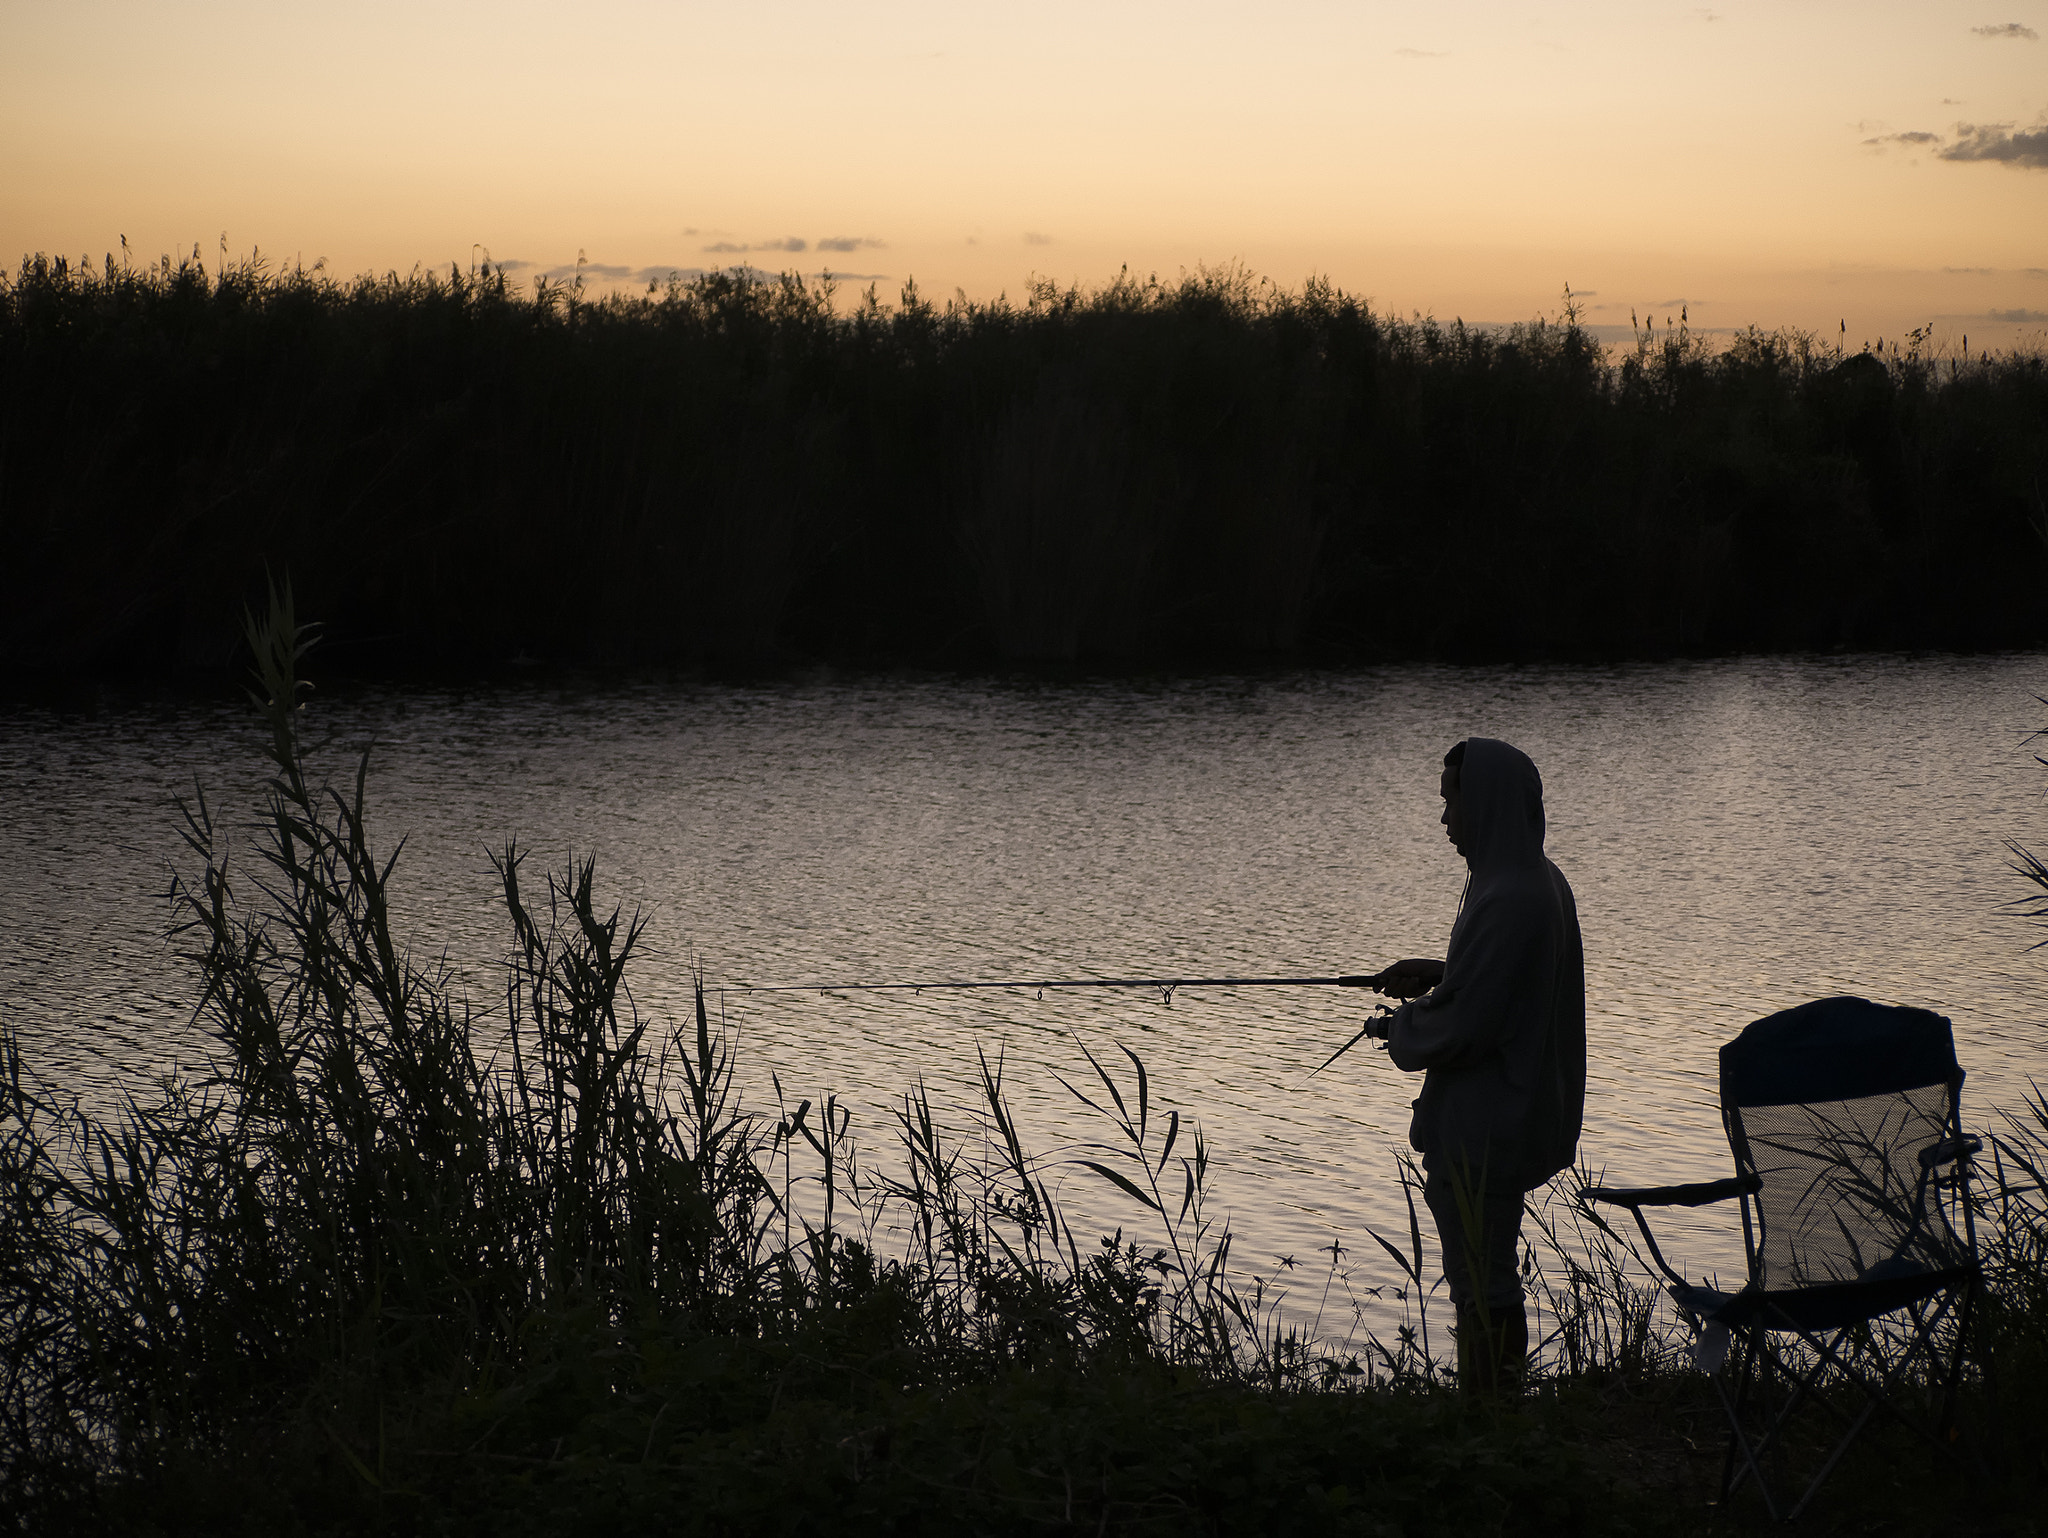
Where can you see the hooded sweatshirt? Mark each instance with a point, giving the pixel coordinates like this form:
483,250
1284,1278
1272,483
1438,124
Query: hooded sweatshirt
1502,1038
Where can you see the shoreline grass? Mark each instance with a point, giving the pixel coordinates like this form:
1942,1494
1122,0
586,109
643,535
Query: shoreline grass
1210,472
367,1279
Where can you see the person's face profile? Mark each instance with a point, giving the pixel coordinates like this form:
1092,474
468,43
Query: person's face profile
1453,818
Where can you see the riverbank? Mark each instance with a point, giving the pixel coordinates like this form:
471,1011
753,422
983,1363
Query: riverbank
390,1273
1032,1452
1209,473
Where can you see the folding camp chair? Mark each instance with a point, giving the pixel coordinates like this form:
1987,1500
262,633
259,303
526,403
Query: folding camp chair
1852,1170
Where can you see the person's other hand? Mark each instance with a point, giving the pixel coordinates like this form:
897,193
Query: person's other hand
1407,979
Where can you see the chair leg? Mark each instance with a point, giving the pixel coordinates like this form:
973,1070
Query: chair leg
1835,1457
1768,1444
1945,1426
1881,1395
1743,1351
1753,1378
1876,1396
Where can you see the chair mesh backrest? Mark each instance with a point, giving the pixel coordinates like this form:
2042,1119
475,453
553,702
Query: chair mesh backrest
1830,1106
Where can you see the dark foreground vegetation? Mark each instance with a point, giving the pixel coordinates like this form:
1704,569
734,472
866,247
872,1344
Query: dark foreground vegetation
396,1269
1214,471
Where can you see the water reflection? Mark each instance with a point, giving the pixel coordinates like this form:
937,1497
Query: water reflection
1741,836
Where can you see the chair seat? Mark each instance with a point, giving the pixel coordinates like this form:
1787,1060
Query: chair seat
1887,1286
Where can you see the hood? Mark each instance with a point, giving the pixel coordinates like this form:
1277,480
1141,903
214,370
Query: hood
1503,805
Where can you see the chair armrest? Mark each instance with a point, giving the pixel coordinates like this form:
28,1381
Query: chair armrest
1697,1194
1948,1150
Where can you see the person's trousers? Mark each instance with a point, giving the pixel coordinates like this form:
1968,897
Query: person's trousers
1481,1234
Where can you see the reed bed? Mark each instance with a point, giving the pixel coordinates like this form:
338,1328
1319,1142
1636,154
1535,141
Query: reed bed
393,1267
1209,471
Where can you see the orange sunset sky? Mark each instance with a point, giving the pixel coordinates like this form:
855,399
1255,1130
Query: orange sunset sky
1800,162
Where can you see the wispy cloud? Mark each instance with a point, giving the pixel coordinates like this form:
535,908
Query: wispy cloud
1912,136
1033,238
2011,29
731,248
2027,148
851,243
2022,316
613,274
608,272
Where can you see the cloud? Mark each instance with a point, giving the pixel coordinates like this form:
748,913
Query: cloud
850,243
2017,315
787,243
1033,238
2011,29
1419,53
1972,272
1998,141
612,272
2025,147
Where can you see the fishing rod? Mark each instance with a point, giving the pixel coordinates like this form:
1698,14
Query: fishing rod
1166,986
1163,984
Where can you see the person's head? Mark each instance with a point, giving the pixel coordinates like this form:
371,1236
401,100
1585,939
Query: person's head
1493,803
1454,802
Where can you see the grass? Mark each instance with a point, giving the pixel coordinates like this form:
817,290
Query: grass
1210,471
396,1268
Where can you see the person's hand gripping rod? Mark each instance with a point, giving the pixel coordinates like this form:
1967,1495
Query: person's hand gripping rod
1409,978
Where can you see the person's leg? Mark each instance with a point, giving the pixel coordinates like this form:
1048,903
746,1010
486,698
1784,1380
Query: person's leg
1481,1241
1508,1318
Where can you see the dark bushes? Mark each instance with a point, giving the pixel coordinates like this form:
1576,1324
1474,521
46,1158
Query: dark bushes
1215,470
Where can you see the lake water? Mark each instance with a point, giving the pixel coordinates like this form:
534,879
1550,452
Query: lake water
1742,836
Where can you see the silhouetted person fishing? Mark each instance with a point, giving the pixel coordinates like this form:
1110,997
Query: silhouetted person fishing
1498,1029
